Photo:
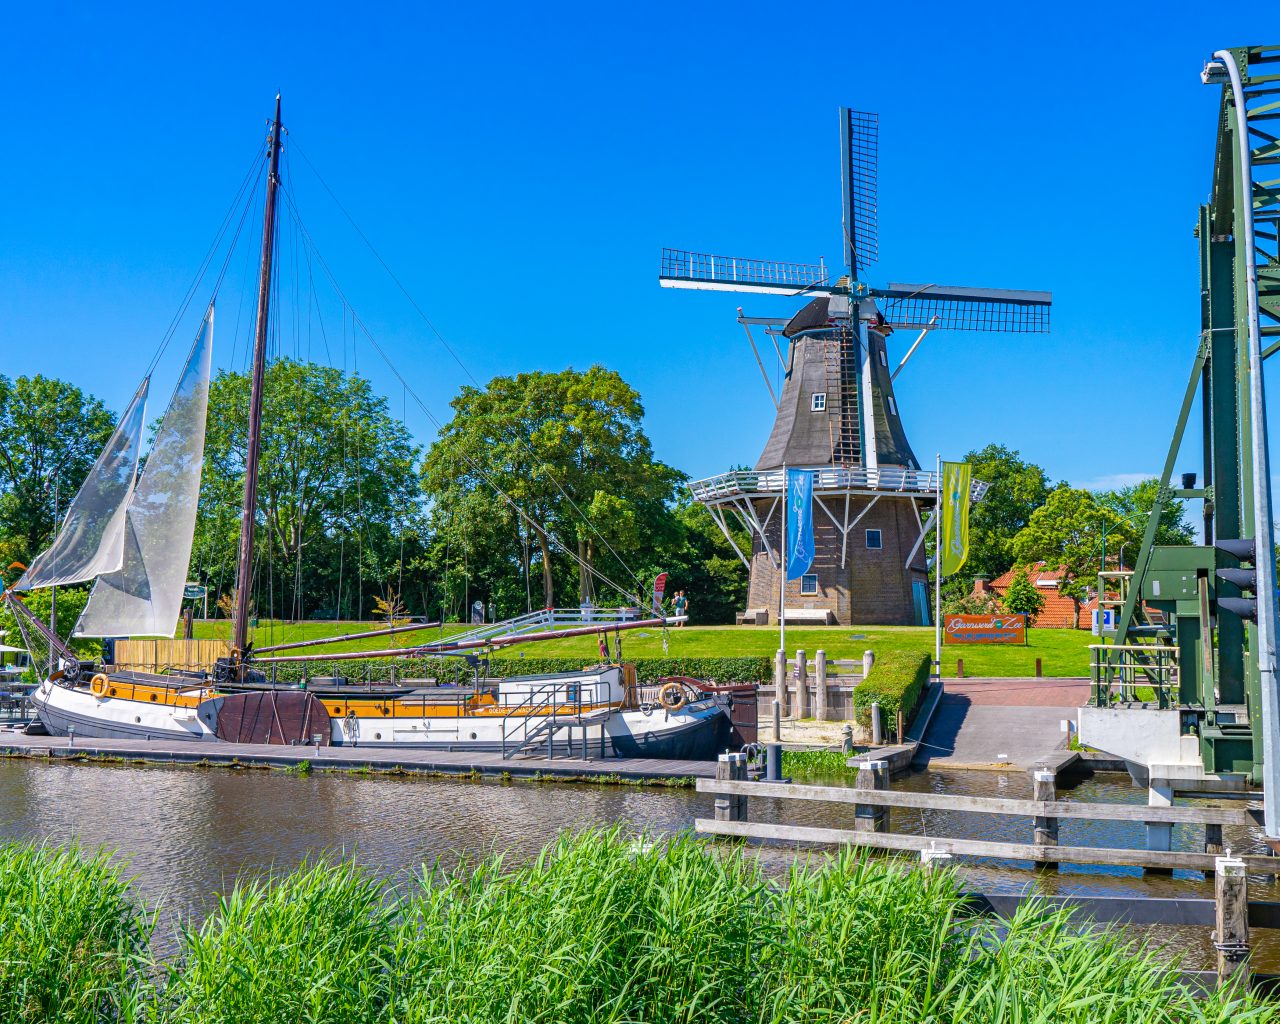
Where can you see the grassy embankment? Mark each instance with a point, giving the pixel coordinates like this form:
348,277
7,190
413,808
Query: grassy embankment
596,930
1063,652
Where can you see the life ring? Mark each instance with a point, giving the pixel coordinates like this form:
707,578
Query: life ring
98,685
672,696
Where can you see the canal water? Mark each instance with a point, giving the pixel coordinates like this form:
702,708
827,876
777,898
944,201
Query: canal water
188,834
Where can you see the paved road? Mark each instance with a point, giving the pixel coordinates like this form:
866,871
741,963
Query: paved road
982,722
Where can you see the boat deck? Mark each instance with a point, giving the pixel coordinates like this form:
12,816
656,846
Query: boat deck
427,762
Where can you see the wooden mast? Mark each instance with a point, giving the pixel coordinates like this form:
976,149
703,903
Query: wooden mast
244,572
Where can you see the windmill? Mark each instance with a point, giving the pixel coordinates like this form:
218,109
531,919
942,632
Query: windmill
837,414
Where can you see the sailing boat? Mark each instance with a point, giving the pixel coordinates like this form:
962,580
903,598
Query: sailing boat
132,536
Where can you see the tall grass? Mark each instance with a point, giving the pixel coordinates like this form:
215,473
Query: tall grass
73,945
816,763
597,929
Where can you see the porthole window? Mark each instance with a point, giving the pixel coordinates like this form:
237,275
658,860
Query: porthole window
473,735
874,540
137,719
377,735
818,403
809,583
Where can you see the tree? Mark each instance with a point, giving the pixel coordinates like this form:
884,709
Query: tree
51,433
554,467
1016,488
1136,502
1066,532
338,495
1022,597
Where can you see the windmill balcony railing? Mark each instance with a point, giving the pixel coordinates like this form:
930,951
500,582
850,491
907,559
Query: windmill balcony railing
701,266
742,483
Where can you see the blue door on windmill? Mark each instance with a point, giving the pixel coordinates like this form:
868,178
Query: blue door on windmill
799,545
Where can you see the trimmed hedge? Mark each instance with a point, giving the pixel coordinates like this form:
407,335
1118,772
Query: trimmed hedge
456,670
896,682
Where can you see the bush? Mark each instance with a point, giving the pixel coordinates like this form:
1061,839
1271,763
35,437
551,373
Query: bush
895,682
456,671
73,946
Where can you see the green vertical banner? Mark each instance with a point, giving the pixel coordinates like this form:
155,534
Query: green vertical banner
955,516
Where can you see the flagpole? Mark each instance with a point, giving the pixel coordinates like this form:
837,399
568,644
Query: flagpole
937,572
782,565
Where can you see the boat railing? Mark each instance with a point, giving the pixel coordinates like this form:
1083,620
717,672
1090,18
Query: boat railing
544,709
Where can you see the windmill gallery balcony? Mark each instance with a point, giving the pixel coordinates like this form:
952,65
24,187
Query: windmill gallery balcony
828,480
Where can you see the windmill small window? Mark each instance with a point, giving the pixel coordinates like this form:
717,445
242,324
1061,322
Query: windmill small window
893,406
819,402
809,583
874,539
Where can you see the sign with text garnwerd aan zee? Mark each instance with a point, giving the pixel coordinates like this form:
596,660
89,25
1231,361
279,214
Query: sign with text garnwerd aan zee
985,629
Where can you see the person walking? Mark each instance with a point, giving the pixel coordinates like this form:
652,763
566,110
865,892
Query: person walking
681,605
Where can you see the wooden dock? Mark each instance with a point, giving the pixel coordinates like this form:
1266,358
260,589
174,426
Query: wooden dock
356,759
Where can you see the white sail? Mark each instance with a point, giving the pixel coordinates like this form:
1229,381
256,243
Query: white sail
91,538
144,597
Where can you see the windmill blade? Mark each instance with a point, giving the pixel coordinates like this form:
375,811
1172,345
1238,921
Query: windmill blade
965,309
859,187
705,272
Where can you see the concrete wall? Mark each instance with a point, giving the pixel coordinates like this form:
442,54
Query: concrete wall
1145,736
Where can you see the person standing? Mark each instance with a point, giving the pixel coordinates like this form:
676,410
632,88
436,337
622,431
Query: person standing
681,605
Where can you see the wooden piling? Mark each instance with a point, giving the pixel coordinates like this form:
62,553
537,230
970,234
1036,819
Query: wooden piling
1231,931
820,685
1039,669
731,767
871,817
959,668
1044,788
802,685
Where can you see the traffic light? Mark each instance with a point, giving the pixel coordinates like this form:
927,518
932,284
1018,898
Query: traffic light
1246,579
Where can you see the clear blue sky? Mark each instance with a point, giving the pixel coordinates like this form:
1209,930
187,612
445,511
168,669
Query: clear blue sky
520,167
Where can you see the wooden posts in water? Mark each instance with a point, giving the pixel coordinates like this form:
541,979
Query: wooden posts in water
731,807
1231,919
801,709
1044,788
820,685
871,817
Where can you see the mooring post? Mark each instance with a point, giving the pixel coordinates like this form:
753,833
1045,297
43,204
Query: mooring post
1044,789
820,685
780,679
868,660
773,751
877,724
932,858
871,817
802,688
959,668
1039,669
1212,843
1231,932
731,806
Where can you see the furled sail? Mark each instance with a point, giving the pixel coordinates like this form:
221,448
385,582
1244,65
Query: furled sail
144,597
91,538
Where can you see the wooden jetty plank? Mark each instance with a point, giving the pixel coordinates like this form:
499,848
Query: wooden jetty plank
441,762
984,804
975,847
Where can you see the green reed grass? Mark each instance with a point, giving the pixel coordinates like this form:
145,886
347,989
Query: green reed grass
599,929
815,763
73,944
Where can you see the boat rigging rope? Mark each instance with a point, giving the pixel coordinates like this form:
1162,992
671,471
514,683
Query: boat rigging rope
359,324
458,359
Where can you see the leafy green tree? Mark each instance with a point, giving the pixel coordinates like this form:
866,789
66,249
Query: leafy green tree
339,508
1022,597
569,451
51,433
1066,532
1136,502
1016,488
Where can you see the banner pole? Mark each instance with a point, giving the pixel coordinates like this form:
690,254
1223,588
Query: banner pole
782,564
937,572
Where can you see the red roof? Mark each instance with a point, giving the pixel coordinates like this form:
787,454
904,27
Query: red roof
1037,574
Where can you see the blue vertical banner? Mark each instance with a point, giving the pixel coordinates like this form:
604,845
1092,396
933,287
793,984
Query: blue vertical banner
799,543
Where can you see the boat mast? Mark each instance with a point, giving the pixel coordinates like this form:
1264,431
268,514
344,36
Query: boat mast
244,572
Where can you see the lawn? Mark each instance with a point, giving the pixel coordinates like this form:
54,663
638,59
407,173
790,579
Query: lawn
1063,652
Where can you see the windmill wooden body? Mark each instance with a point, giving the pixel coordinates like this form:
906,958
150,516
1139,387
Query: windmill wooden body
837,414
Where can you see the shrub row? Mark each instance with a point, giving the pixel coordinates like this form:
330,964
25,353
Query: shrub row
597,930
457,670
895,682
